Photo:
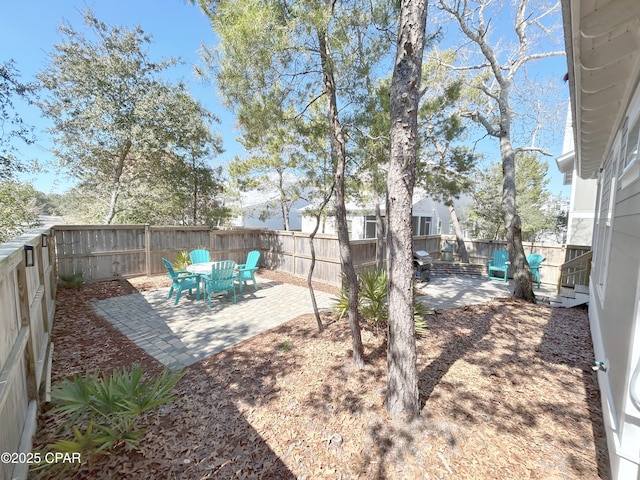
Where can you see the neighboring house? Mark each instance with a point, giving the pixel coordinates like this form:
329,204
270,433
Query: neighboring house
603,56
582,205
262,209
429,218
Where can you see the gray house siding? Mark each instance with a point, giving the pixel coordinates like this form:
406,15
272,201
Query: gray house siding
615,300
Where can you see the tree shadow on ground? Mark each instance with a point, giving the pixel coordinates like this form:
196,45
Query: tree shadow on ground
569,344
202,434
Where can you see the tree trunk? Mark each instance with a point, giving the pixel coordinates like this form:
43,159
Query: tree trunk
195,190
402,374
339,159
519,267
283,203
313,259
117,175
379,238
462,248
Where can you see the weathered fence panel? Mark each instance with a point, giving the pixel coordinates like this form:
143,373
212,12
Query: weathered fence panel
107,251
480,251
27,296
101,252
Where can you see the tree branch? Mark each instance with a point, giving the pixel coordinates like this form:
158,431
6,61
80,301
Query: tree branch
533,149
482,120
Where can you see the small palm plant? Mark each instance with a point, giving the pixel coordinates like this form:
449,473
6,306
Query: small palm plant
182,260
372,301
106,412
74,280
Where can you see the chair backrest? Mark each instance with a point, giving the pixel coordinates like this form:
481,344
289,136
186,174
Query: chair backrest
534,260
252,259
222,275
171,272
500,258
199,256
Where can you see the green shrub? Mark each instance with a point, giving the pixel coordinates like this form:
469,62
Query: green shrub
75,280
182,261
285,347
372,301
106,412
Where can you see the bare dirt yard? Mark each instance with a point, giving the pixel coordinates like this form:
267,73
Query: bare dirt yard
506,391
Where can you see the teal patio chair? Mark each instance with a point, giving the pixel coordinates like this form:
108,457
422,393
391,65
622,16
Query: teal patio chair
500,263
534,260
221,279
181,280
199,256
247,269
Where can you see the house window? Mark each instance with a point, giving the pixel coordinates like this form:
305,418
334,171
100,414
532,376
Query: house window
421,226
629,164
370,228
605,220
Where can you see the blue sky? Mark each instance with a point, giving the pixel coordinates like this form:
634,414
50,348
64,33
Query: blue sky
28,32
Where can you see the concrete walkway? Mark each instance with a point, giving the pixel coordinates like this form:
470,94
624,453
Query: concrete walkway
453,291
180,335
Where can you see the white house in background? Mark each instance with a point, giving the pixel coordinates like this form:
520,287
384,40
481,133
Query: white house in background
582,204
257,209
603,56
429,218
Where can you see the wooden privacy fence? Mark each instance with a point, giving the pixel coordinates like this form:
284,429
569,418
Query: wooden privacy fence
107,251
555,254
27,297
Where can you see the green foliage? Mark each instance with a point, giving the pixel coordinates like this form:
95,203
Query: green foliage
182,260
106,412
74,280
373,296
285,346
12,125
138,146
373,302
19,209
538,213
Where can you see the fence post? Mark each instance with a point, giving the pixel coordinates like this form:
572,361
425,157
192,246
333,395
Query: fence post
293,253
147,248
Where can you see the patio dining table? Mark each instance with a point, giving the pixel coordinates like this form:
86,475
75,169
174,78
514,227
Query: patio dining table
203,268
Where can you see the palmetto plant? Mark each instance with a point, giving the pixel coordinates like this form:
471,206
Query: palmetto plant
182,260
105,412
373,301
74,280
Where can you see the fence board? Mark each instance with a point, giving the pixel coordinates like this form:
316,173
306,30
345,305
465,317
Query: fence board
27,296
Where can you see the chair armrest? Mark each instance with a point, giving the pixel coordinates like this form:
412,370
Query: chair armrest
490,263
191,275
243,269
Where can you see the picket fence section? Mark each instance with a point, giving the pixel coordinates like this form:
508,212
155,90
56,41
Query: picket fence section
27,297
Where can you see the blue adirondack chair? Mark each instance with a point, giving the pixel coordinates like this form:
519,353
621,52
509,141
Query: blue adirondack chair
221,279
534,260
500,263
181,280
199,256
246,270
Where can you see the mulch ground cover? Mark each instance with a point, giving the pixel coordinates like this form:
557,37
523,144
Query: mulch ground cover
505,387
